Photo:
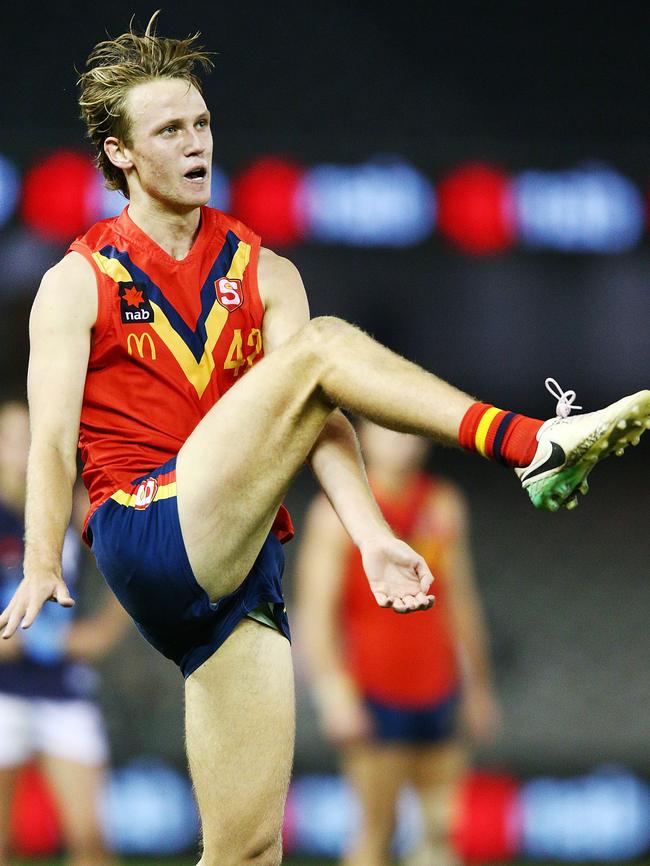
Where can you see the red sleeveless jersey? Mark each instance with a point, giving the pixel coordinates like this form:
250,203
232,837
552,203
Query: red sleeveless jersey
407,661
171,338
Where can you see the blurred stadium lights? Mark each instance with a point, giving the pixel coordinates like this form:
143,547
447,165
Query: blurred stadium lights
589,209
384,202
265,197
602,816
60,196
476,209
9,189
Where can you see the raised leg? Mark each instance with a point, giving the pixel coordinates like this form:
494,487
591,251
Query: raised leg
234,469
240,734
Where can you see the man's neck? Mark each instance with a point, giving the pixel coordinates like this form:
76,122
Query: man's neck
174,233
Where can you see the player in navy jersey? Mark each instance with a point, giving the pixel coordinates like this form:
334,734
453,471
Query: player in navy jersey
47,684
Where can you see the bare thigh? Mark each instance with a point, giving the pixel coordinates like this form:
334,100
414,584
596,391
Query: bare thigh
240,722
234,469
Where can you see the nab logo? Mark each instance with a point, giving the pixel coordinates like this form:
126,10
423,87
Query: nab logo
146,493
139,341
134,305
230,293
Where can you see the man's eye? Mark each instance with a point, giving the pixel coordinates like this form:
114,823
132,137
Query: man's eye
168,129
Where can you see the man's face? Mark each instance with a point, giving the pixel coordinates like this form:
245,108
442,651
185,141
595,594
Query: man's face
171,143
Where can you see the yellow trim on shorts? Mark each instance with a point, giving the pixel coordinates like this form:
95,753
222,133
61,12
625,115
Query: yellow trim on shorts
165,491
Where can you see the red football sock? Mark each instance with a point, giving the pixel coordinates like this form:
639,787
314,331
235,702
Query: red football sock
506,437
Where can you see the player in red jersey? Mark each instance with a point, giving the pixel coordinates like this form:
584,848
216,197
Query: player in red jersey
191,544
391,728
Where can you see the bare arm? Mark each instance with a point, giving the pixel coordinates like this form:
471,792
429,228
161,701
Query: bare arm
319,583
480,707
336,458
63,314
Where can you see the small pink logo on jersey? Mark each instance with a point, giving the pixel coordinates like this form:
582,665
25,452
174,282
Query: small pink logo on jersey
230,293
145,493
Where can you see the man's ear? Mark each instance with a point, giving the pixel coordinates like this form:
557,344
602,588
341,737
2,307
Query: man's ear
118,153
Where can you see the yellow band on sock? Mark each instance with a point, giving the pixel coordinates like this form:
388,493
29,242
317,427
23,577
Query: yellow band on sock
483,428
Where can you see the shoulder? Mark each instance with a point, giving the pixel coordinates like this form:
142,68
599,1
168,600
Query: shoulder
282,293
273,268
70,287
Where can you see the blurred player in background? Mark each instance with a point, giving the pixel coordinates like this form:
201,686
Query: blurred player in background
395,694
47,710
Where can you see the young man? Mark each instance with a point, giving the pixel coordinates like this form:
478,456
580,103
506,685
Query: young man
47,707
141,332
391,730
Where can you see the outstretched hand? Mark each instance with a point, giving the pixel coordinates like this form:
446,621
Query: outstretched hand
29,598
398,576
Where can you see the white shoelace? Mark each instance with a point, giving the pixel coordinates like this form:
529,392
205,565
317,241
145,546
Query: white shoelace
565,399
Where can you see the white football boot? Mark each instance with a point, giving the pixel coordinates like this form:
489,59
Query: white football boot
570,447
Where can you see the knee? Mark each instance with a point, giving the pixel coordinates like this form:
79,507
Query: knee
321,336
269,855
261,854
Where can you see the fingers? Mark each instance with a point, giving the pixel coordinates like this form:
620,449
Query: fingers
31,613
423,572
16,612
63,596
410,603
383,600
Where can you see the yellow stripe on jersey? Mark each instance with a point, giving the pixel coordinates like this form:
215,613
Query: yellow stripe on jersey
165,491
198,373
484,425
239,261
112,268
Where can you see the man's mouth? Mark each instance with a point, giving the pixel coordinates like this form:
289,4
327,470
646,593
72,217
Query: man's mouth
196,174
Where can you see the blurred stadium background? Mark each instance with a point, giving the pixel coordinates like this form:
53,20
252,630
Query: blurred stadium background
469,183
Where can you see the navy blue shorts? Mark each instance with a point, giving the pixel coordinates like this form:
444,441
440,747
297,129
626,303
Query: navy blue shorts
431,724
137,542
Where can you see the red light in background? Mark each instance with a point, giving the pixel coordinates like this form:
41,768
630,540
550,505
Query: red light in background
59,198
265,197
35,825
476,209
487,824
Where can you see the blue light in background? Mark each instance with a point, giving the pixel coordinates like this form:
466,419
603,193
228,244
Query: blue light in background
602,816
220,197
591,209
384,202
9,189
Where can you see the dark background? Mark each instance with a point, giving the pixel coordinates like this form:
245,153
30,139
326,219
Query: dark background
519,85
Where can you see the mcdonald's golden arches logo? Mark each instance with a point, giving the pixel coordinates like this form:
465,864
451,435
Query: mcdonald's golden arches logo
139,340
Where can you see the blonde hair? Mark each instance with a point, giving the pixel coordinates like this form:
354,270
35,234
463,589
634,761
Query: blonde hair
117,65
